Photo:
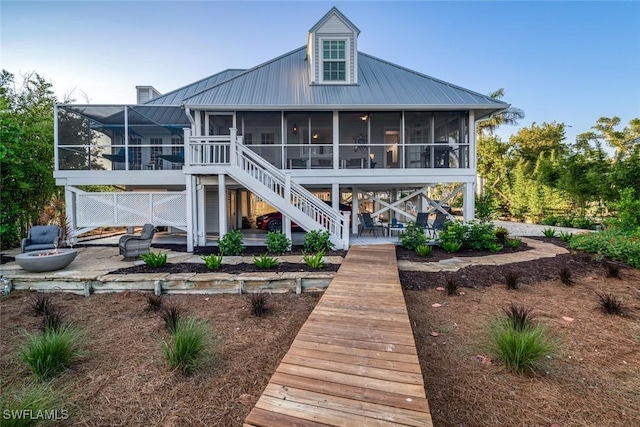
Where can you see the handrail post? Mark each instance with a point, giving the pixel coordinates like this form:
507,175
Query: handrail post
287,197
345,230
233,147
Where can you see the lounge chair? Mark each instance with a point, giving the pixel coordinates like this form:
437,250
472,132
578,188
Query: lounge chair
132,246
41,237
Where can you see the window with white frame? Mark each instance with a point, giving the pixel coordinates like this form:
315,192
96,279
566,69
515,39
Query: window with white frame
334,60
176,147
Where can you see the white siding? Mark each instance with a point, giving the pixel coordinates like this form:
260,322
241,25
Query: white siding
334,25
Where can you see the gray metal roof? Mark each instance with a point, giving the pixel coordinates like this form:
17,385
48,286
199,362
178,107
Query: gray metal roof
284,83
175,97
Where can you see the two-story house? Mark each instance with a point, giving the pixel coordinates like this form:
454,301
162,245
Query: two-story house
323,118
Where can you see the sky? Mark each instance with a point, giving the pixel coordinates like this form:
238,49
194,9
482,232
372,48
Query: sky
570,62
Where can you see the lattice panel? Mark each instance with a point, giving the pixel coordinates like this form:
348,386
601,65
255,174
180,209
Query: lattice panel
125,209
170,209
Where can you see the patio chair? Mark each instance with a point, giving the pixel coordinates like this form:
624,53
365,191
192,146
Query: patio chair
132,246
368,224
437,224
41,237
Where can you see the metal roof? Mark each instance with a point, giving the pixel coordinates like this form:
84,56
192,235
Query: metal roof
284,83
175,97
138,115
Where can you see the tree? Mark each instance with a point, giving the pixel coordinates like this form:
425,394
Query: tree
622,141
510,116
26,153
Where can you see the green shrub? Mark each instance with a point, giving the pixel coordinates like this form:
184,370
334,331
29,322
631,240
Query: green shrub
550,220
549,232
188,345
317,241
611,242
52,351
412,236
502,234
453,232
258,302
171,314
495,247
265,261
520,350
583,222
213,261
277,243
154,259
314,260
486,207
424,250
514,243
231,243
628,212
451,247
471,235
34,398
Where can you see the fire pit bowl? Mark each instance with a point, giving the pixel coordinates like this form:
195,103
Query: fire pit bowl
48,260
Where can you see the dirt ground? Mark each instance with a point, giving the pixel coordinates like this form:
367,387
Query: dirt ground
592,380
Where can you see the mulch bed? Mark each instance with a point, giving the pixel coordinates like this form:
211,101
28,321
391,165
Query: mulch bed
438,254
187,267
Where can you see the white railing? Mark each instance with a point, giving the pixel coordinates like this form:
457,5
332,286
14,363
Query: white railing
210,150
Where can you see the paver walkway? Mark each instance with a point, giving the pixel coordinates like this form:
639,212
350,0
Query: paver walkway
354,361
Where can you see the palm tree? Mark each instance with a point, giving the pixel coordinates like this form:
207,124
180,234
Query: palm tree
510,116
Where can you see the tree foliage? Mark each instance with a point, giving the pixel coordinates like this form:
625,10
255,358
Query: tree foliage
26,153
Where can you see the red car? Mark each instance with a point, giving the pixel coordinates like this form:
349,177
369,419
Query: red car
273,220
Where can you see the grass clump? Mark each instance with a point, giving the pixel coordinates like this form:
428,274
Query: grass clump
154,303
171,314
549,232
565,236
265,261
520,350
41,304
315,261
511,279
231,243
52,321
451,286
611,304
34,398
187,349
565,276
258,301
518,316
424,250
153,259
514,243
612,270
213,261
51,352
277,243
451,246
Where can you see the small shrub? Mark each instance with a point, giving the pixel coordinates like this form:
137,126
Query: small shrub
51,352
424,250
213,261
520,350
154,303
612,270
565,276
41,304
451,286
511,279
231,243
412,236
258,301
188,345
154,259
611,242
549,232
502,234
495,247
265,261
565,236
317,241
518,316
277,243
52,321
314,260
583,222
514,243
171,314
451,247
34,398
611,304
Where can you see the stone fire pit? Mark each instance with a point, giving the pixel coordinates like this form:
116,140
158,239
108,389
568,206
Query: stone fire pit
48,260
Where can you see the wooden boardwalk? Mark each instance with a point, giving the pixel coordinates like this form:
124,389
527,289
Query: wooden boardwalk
354,361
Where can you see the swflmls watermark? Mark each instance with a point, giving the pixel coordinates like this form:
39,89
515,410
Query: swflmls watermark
29,414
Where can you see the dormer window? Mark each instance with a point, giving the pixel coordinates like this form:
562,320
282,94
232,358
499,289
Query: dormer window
334,60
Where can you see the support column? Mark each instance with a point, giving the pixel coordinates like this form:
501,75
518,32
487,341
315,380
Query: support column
335,196
239,210
200,219
286,221
190,185
354,210
70,209
222,205
469,202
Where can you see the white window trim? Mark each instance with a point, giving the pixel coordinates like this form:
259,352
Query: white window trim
347,61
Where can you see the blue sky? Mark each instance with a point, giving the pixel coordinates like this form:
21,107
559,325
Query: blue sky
570,62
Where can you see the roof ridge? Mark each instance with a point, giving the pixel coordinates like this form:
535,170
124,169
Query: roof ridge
431,78
247,71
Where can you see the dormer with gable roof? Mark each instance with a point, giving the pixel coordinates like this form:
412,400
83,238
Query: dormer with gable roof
332,50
